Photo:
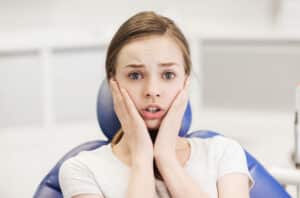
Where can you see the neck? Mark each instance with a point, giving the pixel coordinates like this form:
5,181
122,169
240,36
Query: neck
153,134
122,144
123,141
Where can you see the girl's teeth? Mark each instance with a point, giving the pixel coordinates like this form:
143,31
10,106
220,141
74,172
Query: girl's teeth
152,109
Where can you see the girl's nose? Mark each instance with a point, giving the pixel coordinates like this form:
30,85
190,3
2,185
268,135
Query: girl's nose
152,90
150,95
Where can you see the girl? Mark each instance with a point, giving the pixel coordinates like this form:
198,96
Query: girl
148,67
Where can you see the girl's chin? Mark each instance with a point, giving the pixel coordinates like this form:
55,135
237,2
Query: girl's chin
152,124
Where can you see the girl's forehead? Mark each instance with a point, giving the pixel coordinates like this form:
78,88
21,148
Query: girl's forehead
151,50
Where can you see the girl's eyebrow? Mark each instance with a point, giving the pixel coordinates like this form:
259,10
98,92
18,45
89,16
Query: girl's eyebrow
134,66
167,64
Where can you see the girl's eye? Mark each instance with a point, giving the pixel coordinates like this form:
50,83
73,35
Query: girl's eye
168,75
135,76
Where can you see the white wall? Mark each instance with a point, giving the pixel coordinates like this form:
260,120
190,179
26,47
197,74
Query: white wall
252,15
32,18
35,14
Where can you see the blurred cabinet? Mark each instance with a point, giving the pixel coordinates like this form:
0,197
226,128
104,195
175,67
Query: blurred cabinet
258,75
20,89
77,74
49,86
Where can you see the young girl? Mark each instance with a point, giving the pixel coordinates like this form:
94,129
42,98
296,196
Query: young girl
148,67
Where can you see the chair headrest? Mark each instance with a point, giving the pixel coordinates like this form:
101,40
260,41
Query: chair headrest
109,122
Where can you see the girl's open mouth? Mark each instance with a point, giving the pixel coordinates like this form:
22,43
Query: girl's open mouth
152,112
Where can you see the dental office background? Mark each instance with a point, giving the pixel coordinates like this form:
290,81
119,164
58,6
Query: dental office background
246,67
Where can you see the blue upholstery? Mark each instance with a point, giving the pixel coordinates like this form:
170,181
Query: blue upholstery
265,185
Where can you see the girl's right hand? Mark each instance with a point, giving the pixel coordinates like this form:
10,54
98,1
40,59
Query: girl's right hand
133,125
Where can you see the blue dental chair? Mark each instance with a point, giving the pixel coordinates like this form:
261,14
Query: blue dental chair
265,185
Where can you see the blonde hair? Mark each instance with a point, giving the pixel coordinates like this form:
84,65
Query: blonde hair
117,137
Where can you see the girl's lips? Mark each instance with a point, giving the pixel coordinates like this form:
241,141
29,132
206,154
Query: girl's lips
152,116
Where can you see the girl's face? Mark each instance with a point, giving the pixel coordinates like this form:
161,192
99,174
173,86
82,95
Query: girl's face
151,69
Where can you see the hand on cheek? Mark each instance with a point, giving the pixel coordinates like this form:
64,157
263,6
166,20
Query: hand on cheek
133,125
165,142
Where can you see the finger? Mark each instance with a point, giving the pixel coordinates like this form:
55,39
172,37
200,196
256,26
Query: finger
115,92
182,96
180,105
119,105
131,107
112,88
185,91
187,82
185,88
127,106
180,101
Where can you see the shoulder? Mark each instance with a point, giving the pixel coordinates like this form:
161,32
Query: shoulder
77,174
224,143
224,153
83,160
218,150
228,156
217,144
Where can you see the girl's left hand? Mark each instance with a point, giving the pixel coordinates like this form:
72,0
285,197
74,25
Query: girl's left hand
165,142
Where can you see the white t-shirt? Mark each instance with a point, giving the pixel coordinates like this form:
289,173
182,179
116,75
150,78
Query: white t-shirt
100,172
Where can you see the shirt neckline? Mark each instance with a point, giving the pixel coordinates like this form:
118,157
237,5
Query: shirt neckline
186,165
